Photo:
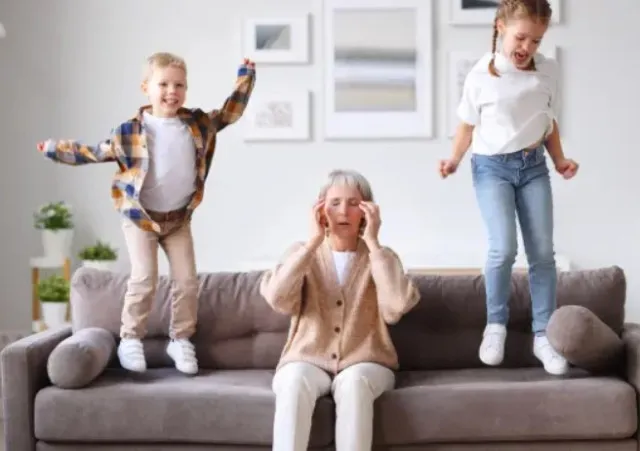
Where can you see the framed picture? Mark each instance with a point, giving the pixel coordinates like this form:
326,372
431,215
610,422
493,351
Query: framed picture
274,115
459,65
378,85
277,40
483,12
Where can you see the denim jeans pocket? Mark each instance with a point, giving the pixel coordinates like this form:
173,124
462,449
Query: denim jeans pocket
484,163
538,158
474,164
483,166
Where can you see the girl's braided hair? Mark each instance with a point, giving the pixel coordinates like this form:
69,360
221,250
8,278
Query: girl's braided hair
539,10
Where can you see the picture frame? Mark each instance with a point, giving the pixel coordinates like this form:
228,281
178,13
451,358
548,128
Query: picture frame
277,40
278,115
482,12
378,85
458,66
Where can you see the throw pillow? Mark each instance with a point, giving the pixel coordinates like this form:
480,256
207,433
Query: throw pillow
79,359
584,339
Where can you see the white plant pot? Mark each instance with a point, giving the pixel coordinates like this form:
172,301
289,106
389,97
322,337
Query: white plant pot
103,265
57,243
54,314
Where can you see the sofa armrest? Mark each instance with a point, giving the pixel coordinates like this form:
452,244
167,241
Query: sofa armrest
24,373
631,339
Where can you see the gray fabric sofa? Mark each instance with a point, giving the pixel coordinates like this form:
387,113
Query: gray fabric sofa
445,399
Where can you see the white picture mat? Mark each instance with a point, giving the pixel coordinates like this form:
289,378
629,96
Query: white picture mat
300,130
299,51
381,125
486,16
456,80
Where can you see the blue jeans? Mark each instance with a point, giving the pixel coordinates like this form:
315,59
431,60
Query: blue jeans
506,185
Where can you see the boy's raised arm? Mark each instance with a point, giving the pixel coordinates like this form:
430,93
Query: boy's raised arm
235,104
74,153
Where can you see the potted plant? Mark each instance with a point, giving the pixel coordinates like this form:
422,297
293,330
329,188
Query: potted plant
53,293
99,256
56,222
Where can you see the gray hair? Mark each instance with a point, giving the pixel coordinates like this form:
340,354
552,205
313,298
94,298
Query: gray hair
348,178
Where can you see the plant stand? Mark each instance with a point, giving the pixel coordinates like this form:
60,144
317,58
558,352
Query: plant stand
38,264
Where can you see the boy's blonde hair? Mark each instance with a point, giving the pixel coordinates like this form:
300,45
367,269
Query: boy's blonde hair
539,10
160,60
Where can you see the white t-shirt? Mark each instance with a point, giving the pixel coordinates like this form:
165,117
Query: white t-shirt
342,261
511,112
170,182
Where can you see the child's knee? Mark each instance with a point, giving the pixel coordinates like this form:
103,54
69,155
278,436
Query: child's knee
142,284
541,253
503,255
188,286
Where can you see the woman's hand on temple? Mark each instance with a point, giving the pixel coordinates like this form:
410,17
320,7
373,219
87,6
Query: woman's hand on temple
372,224
317,225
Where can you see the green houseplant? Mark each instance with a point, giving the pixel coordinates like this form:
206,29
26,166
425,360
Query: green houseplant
99,256
55,220
54,293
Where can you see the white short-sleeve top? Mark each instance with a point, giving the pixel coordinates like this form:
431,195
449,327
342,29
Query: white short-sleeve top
511,112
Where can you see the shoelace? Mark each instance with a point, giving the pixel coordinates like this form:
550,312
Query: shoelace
493,339
132,349
186,348
548,352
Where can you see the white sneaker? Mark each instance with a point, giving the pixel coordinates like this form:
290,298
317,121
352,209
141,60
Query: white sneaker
131,355
183,353
492,346
553,362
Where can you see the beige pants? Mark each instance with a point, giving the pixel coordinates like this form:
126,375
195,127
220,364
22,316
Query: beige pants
298,385
177,242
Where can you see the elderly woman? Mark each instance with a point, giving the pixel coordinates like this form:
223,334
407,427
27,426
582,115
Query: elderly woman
341,289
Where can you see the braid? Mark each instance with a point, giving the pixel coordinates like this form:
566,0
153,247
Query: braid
509,9
492,63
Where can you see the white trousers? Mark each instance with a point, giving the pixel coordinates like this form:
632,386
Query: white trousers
298,385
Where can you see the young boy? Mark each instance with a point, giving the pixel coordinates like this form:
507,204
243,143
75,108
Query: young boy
164,154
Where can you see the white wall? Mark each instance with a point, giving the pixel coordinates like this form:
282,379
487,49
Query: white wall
73,68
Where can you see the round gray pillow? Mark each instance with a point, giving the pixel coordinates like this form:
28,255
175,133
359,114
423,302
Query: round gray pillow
79,359
584,339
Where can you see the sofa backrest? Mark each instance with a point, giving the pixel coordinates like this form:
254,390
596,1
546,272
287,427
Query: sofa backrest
237,329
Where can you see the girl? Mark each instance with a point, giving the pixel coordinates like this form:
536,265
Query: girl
508,112
341,289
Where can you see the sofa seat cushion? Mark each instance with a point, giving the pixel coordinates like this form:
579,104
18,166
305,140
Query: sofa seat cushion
162,405
500,404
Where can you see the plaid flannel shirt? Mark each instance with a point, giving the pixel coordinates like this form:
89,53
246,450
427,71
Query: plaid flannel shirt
127,147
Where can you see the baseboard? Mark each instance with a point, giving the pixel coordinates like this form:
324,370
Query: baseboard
7,337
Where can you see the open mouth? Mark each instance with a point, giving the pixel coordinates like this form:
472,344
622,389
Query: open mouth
343,223
171,102
521,57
